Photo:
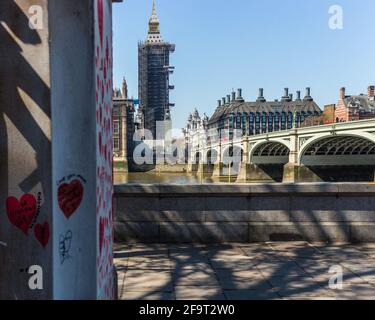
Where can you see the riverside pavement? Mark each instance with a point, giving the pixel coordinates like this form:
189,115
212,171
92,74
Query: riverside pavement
267,271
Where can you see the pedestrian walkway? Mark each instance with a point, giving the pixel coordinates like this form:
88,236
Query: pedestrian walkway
292,270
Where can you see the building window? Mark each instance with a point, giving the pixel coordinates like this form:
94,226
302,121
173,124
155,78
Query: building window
245,127
231,122
221,124
298,119
270,122
264,122
238,121
290,120
116,144
283,121
251,124
257,123
277,121
116,127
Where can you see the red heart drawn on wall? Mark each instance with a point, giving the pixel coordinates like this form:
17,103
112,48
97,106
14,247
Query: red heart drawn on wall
42,233
70,197
21,213
101,233
100,20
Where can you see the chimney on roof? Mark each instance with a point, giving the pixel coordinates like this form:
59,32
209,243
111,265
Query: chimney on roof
228,98
298,96
308,95
261,96
219,103
291,96
286,95
223,101
239,94
233,96
371,92
342,93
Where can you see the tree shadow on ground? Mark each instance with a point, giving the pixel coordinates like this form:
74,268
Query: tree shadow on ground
260,272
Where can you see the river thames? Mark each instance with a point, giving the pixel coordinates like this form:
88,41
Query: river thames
167,178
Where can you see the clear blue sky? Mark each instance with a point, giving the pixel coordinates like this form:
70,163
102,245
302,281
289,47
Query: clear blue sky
249,44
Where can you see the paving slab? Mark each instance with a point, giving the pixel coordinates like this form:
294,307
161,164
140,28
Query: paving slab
147,295
176,266
264,271
236,274
140,280
251,295
279,282
236,264
199,293
195,278
241,284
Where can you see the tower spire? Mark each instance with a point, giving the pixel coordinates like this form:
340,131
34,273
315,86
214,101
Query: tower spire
124,89
154,27
153,8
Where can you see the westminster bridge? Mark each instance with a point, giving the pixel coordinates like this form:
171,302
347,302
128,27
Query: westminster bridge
335,152
310,209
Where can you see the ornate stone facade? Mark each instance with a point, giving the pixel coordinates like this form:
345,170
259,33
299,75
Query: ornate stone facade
123,128
196,130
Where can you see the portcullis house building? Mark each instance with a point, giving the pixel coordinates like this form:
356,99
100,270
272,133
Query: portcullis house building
262,116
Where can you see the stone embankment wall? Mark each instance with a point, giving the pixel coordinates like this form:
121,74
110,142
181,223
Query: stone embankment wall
245,213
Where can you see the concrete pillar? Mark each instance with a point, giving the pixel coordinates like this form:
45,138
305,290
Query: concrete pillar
56,150
201,168
190,166
243,174
254,173
290,174
218,166
294,173
218,169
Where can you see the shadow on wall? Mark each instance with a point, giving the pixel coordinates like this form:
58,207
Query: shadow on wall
344,173
274,171
16,74
20,82
269,212
265,271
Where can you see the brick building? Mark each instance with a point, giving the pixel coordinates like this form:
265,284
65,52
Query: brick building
355,107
